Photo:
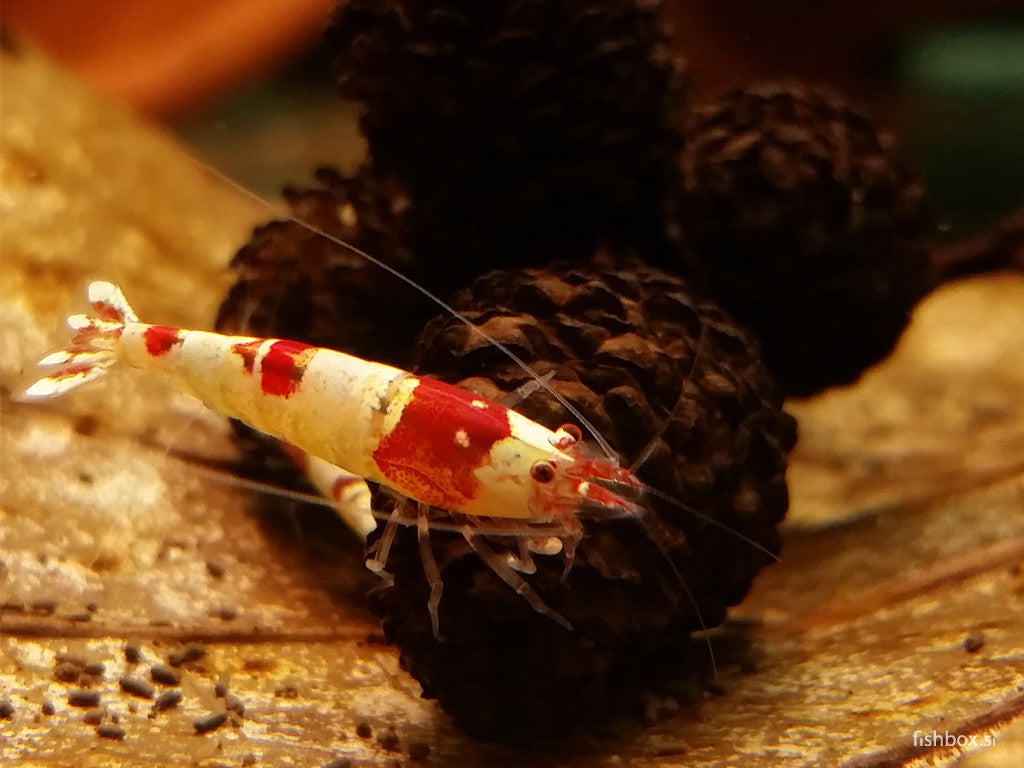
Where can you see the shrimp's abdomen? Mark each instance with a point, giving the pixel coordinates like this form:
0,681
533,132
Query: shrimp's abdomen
329,404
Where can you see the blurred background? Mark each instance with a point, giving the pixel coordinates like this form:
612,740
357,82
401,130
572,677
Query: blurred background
247,83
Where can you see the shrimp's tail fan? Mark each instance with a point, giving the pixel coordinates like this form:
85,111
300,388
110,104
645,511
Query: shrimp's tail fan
93,348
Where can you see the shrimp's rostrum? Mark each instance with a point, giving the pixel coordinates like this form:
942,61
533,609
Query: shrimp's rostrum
433,442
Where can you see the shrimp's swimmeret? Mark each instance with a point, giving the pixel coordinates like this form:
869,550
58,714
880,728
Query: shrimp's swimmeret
433,442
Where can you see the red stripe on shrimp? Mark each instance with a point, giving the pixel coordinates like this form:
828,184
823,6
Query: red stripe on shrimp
342,484
107,311
444,435
248,351
282,367
160,339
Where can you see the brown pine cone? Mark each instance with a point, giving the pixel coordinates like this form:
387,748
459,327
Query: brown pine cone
808,227
645,360
522,130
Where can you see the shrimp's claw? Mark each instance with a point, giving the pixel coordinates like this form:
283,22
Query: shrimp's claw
92,349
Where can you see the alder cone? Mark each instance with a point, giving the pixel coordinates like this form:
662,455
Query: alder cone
809,228
644,359
523,131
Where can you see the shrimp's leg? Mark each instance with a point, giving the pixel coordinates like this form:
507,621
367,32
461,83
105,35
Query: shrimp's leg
523,391
506,573
348,493
524,563
382,547
569,544
430,570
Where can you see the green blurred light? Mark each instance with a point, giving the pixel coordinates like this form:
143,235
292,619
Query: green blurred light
974,57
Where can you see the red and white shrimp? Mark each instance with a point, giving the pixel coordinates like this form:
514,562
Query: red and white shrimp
347,418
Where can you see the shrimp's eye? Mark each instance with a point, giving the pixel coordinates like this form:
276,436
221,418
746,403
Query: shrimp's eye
543,471
571,430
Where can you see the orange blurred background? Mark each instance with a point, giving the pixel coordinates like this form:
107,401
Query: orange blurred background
169,57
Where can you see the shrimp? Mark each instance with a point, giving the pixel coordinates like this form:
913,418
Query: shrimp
434,443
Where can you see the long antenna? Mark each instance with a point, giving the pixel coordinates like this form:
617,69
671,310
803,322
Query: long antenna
709,520
652,444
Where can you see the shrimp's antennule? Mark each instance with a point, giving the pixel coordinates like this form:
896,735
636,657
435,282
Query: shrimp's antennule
92,348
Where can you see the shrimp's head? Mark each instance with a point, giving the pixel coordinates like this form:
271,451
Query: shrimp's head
540,476
581,480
